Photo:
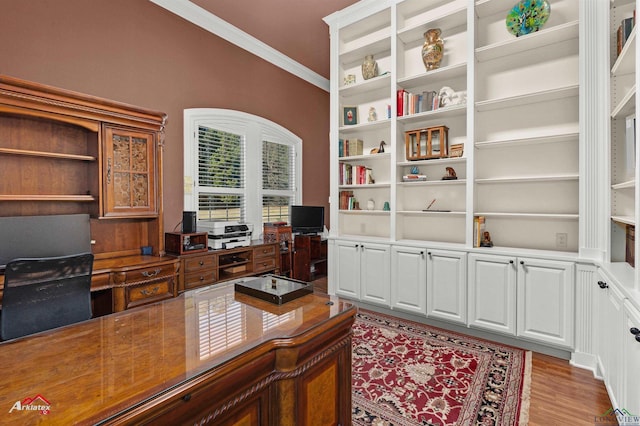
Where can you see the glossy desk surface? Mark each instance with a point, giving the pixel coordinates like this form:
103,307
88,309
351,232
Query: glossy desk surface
90,371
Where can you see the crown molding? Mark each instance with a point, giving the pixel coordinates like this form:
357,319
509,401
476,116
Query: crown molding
213,24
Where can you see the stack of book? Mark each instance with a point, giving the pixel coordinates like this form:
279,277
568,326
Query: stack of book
414,178
354,175
410,103
349,147
624,31
478,230
346,200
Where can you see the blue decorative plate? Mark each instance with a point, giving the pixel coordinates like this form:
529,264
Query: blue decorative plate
527,16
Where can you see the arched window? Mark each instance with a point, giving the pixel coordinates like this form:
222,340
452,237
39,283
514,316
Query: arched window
239,167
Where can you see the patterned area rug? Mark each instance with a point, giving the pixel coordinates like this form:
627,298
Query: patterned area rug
406,374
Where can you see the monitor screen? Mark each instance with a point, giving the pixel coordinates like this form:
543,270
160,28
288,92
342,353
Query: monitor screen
43,236
307,219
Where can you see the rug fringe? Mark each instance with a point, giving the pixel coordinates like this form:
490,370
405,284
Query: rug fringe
525,399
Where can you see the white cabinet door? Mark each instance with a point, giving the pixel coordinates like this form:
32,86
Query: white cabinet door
347,269
408,272
375,278
446,285
492,293
609,324
546,292
631,361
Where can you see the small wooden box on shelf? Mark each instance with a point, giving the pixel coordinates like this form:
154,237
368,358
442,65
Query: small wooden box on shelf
178,243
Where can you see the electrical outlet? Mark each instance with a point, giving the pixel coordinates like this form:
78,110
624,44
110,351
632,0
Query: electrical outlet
561,240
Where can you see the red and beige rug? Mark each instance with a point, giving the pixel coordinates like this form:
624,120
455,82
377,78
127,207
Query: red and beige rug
406,374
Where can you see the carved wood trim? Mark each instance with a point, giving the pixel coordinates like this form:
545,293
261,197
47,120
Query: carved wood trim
262,384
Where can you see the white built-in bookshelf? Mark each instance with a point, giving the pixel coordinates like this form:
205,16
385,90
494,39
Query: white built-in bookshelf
623,156
519,126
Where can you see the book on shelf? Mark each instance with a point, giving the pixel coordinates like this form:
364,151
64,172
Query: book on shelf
349,147
414,178
411,103
478,230
624,32
355,175
346,200
355,146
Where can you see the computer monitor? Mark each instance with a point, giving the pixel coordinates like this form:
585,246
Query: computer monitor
43,236
307,219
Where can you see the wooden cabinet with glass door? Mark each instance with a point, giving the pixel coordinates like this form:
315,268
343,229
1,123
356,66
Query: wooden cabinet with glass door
130,183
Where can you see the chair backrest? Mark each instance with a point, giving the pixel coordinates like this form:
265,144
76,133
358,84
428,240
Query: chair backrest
44,293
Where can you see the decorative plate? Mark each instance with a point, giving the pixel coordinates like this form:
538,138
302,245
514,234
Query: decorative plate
527,16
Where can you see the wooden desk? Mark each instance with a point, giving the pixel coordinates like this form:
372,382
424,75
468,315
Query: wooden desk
208,355
121,283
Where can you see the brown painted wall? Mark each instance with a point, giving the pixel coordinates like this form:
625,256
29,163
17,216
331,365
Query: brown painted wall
136,52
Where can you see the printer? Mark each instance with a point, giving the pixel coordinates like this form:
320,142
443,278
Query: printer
227,235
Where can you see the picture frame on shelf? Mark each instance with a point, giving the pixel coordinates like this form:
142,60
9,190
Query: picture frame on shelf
349,115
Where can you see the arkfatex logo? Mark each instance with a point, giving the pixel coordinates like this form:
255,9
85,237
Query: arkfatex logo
37,403
619,416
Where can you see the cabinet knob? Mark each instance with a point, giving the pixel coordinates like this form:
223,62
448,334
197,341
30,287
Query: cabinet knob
634,330
187,397
201,278
522,262
201,263
511,262
603,284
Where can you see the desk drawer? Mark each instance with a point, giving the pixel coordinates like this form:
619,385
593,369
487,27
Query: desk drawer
199,263
265,251
100,281
149,292
199,279
266,264
150,273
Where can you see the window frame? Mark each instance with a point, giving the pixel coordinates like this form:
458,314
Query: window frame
255,130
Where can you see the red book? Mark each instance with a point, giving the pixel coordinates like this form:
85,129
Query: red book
400,103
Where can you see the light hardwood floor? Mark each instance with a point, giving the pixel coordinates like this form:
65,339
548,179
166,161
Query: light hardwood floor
565,395
561,395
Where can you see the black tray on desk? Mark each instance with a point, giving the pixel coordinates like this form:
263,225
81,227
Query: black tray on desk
274,288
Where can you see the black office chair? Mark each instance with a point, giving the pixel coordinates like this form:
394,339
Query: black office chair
45,293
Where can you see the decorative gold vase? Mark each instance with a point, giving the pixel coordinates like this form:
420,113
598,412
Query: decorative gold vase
369,68
433,49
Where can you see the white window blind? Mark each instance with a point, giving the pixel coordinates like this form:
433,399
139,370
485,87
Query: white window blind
240,167
278,180
221,175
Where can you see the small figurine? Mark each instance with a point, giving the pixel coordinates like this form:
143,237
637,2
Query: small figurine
415,170
349,79
486,240
373,115
451,174
371,205
378,150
